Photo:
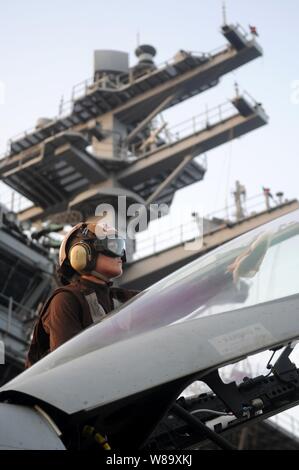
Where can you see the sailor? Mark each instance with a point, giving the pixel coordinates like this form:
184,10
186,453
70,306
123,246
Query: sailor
90,258
253,30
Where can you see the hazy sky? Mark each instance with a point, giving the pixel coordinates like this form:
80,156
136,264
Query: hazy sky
47,47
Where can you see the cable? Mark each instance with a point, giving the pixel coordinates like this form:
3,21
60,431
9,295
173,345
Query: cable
204,410
269,366
218,413
196,424
230,151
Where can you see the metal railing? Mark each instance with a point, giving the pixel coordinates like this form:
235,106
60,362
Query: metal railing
198,123
219,50
170,237
242,30
147,245
14,310
122,81
208,118
13,200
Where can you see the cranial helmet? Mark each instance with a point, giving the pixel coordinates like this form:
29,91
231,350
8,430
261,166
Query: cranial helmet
81,246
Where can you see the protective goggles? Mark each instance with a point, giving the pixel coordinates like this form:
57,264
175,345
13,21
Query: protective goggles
114,247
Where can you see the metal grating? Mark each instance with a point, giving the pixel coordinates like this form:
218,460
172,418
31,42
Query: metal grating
192,173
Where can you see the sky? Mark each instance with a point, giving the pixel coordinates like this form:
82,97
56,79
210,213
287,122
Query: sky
46,47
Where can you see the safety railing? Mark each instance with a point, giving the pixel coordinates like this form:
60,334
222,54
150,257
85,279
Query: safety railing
14,311
208,118
200,122
12,200
118,82
147,244
204,120
219,50
250,99
242,30
161,241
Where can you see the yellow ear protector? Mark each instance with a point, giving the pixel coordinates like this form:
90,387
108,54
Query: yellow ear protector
81,257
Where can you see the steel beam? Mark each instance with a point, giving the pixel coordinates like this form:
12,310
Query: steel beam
170,155
168,180
149,118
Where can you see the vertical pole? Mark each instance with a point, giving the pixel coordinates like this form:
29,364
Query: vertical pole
10,305
61,104
267,200
224,13
237,195
236,85
194,124
12,201
207,115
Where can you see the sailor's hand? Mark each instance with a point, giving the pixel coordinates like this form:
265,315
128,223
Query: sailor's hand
248,263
